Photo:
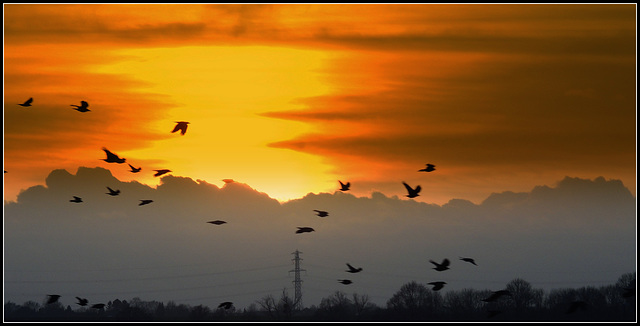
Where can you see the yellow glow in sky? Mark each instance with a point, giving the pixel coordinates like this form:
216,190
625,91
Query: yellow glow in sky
221,91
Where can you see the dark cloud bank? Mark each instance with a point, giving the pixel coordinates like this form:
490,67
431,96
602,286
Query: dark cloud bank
573,234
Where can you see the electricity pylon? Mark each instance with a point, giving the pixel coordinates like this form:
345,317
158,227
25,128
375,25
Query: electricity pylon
297,282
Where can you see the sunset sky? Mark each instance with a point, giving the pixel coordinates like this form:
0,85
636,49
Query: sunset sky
289,99
527,111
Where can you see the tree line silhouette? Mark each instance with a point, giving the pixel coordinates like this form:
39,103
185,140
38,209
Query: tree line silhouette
412,302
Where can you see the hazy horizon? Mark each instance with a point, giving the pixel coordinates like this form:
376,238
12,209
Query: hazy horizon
104,248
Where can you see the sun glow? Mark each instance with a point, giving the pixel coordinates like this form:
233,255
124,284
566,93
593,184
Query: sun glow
221,91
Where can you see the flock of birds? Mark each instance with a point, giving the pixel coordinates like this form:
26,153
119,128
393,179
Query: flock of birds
412,193
112,157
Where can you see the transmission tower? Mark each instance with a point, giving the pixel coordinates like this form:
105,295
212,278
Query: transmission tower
297,303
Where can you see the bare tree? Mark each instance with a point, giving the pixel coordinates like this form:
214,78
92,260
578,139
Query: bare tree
523,295
414,300
361,303
336,305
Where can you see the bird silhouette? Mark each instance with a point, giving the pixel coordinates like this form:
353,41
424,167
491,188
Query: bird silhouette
145,201
437,285
82,107
412,192
345,281
429,168
344,186
353,269
161,172
226,305
182,126
133,169
469,260
76,199
441,267
81,301
52,298
111,157
98,306
497,295
27,102
217,222
304,229
321,213
575,305
113,192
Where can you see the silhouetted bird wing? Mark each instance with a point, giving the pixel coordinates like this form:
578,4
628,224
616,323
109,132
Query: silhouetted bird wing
145,201
446,262
429,168
353,269
412,192
437,285
161,172
182,126
217,222
225,305
52,298
27,102
111,157
81,301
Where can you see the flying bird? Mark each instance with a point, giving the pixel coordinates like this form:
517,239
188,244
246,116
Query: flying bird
133,169
82,107
76,199
437,285
161,172
217,222
27,102
182,126
98,306
497,295
441,267
469,260
412,192
429,168
113,192
344,186
321,213
81,301
52,298
345,281
304,229
145,201
111,157
353,269
226,305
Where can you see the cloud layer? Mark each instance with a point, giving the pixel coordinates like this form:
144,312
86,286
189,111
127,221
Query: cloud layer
578,232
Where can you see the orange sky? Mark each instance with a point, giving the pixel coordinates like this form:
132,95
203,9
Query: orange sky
291,98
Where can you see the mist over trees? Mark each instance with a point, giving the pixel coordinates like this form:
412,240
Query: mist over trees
577,233
412,302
